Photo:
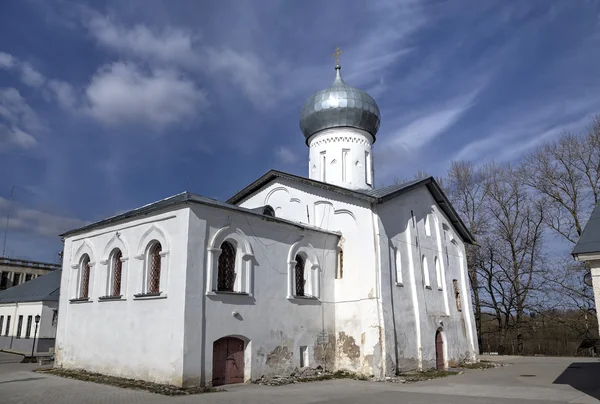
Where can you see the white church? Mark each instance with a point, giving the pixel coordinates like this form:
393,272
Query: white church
290,272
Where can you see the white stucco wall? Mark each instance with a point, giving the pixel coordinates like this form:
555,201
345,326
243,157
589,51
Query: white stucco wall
414,312
273,326
358,311
342,156
131,337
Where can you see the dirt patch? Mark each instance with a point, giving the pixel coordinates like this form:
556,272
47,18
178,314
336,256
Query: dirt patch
479,365
306,375
156,388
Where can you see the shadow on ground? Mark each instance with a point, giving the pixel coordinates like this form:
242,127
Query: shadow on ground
583,376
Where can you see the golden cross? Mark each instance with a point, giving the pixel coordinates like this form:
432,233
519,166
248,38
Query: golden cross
337,54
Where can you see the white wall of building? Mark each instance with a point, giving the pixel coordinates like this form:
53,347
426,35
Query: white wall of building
342,156
416,310
131,337
358,310
274,325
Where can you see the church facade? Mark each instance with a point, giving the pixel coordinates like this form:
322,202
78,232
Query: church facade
290,272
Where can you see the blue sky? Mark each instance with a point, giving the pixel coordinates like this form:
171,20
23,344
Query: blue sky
105,106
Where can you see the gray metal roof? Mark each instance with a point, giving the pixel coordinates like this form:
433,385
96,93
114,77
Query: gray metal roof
339,106
371,195
187,197
589,242
41,289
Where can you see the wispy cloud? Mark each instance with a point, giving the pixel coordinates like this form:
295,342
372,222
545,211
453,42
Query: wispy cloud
18,121
286,155
511,137
38,222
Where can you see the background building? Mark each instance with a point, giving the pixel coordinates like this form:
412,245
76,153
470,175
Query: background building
20,305
14,271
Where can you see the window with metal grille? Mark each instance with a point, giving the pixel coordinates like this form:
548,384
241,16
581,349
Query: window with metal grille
7,325
117,266
84,289
226,270
28,329
154,268
300,281
19,326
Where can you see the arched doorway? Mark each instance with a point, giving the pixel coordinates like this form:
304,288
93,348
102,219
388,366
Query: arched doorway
228,361
439,351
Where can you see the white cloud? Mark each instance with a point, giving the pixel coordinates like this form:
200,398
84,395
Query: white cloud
13,136
30,76
247,71
175,47
170,45
6,60
286,155
64,94
17,121
122,92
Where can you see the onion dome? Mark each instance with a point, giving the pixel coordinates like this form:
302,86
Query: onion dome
339,106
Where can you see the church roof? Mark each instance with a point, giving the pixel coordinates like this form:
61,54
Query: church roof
371,195
589,242
41,289
183,198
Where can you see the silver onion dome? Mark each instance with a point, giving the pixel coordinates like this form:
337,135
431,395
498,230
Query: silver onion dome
339,106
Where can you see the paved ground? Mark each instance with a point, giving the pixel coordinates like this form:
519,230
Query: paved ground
526,381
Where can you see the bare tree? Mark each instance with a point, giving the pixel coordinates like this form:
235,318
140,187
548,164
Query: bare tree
468,191
565,173
513,260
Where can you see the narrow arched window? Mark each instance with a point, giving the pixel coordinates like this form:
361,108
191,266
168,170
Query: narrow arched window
226,273
116,270
426,282
268,211
398,266
438,273
154,261
300,280
84,287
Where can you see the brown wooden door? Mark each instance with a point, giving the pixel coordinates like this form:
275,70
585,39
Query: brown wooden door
439,351
228,361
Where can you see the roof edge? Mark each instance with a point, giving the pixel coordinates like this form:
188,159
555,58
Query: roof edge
187,197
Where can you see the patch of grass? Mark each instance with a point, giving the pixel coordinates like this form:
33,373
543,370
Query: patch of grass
122,382
419,376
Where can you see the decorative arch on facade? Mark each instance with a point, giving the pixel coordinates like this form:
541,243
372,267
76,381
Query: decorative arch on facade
312,270
244,260
114,267
82,271
155,270
154,233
